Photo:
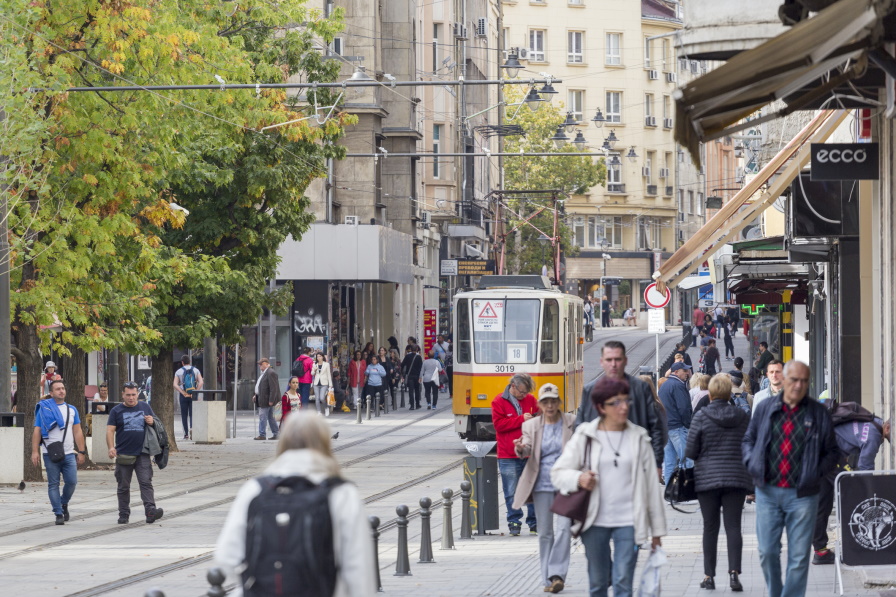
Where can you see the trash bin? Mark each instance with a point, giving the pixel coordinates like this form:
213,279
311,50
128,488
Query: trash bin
12,438
481,470
209,421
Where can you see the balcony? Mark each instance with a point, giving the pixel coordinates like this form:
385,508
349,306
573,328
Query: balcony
616,187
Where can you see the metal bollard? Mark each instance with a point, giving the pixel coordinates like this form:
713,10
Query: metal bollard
376,404
216,578
466,525
385,400
447,530
392,394
404,387
375,525
368,407
358,409
154,593
403,563
425,533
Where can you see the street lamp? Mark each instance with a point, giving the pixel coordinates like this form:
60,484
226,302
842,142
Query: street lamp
512,66
570,123
615,161
533,100
579,141
599,119
631,155
560,138
547,92
612,139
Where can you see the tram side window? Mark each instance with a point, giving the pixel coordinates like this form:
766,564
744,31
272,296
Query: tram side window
506,331
550,332
571,338
463,353
580,310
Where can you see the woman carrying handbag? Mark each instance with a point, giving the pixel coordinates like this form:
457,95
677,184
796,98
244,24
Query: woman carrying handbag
542,443
625,503
322,383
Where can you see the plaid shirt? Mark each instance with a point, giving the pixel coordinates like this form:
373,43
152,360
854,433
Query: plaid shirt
786,446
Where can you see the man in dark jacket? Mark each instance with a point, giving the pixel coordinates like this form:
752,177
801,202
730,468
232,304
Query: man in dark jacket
677,401
643,409
789,447
267,394
681,349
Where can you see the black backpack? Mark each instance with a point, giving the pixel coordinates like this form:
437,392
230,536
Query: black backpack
845,412
299,368
289,539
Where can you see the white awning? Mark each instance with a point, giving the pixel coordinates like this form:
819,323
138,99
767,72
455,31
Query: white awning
694,282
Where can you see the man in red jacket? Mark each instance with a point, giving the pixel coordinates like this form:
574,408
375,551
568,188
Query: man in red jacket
509,411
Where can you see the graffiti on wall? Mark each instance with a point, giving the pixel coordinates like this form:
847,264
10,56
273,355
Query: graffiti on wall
309,323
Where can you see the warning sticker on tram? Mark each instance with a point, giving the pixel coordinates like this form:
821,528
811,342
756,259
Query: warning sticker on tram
488,316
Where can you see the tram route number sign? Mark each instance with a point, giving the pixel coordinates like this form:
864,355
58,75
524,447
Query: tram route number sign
488,315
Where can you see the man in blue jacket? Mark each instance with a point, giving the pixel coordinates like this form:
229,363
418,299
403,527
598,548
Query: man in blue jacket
788,449
677,401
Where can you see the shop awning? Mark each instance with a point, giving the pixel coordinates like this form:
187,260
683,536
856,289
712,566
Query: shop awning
707,107
725,225
694,282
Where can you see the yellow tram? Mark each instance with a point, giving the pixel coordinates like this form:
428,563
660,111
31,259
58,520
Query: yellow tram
513,324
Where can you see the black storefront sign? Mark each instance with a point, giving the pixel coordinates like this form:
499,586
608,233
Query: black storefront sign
475,267
867,518
845,161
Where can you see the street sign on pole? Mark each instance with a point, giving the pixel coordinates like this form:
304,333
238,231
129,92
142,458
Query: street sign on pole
656,324
656,299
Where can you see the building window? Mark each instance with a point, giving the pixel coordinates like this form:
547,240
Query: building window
575,53
588,231
614,174
576,104
436,29
648,50
577,2
614,49
691,208
649,161
667,57
337,46
667,107
614,106
701,204
614,232
680,205
436,143
536,45
648,107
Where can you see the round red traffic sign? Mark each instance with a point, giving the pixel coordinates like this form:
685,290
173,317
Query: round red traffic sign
656,299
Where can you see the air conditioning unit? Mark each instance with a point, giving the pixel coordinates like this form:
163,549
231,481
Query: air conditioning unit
482,27
664,172
650,121
645,172
523,53
667,122
460,31
352,220
671,77
651,189
653,74
425,217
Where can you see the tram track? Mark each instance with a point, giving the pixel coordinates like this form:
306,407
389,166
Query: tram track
246,476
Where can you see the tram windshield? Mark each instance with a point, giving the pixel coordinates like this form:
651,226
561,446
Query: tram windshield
505,330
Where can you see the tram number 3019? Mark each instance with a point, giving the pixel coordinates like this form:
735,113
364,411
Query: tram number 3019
504,368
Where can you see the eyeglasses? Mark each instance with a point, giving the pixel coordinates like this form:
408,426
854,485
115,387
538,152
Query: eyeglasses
131,385
619,402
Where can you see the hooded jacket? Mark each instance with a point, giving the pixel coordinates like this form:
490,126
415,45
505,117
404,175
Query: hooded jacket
155,443
714,445
352,542
647,497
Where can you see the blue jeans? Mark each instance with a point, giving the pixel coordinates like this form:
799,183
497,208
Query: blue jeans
68,470
265,418
625,555
778,508
186,413
674,454
305,393
511,469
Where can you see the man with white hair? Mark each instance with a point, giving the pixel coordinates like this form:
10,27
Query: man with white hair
788,449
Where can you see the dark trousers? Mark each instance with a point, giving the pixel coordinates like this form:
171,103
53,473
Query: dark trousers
729,346
372,391
186,413
305,393
432,392
413,393
605,319
449,371
825,507
123,474
731,503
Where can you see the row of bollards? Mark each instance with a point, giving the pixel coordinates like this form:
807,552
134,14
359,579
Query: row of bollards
216,576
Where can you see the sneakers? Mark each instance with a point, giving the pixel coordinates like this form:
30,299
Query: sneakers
122,519
186,436
156,514
65,515
533,530
274,436
820,558
60,519
261,437
515,530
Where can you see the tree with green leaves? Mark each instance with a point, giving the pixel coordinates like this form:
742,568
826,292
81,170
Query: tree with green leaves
570,174
92,178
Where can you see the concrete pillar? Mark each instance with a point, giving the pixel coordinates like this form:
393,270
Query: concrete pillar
12,465
99,452
209,421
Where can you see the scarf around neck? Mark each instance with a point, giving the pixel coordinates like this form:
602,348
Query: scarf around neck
512,400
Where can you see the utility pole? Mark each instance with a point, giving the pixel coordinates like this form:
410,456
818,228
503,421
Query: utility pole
5,325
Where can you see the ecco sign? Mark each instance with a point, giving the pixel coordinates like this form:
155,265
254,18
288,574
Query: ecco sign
845,161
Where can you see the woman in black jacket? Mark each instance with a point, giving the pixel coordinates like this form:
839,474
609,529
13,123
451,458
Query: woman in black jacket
720,477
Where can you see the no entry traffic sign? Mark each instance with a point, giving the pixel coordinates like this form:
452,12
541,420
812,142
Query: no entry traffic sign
656,299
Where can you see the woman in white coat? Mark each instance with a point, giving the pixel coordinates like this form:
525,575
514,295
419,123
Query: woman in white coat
626,504
322,382
542,443
304,450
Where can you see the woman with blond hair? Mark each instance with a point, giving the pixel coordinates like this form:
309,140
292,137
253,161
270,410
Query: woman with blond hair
720,477
699,388
304,451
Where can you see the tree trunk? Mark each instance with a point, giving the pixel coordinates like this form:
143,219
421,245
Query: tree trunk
123,374
75,382
163,393
28,363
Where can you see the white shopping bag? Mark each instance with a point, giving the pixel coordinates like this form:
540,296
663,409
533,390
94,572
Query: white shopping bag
650,579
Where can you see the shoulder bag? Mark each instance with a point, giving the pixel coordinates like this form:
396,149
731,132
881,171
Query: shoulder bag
680,487
56,450
575,505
